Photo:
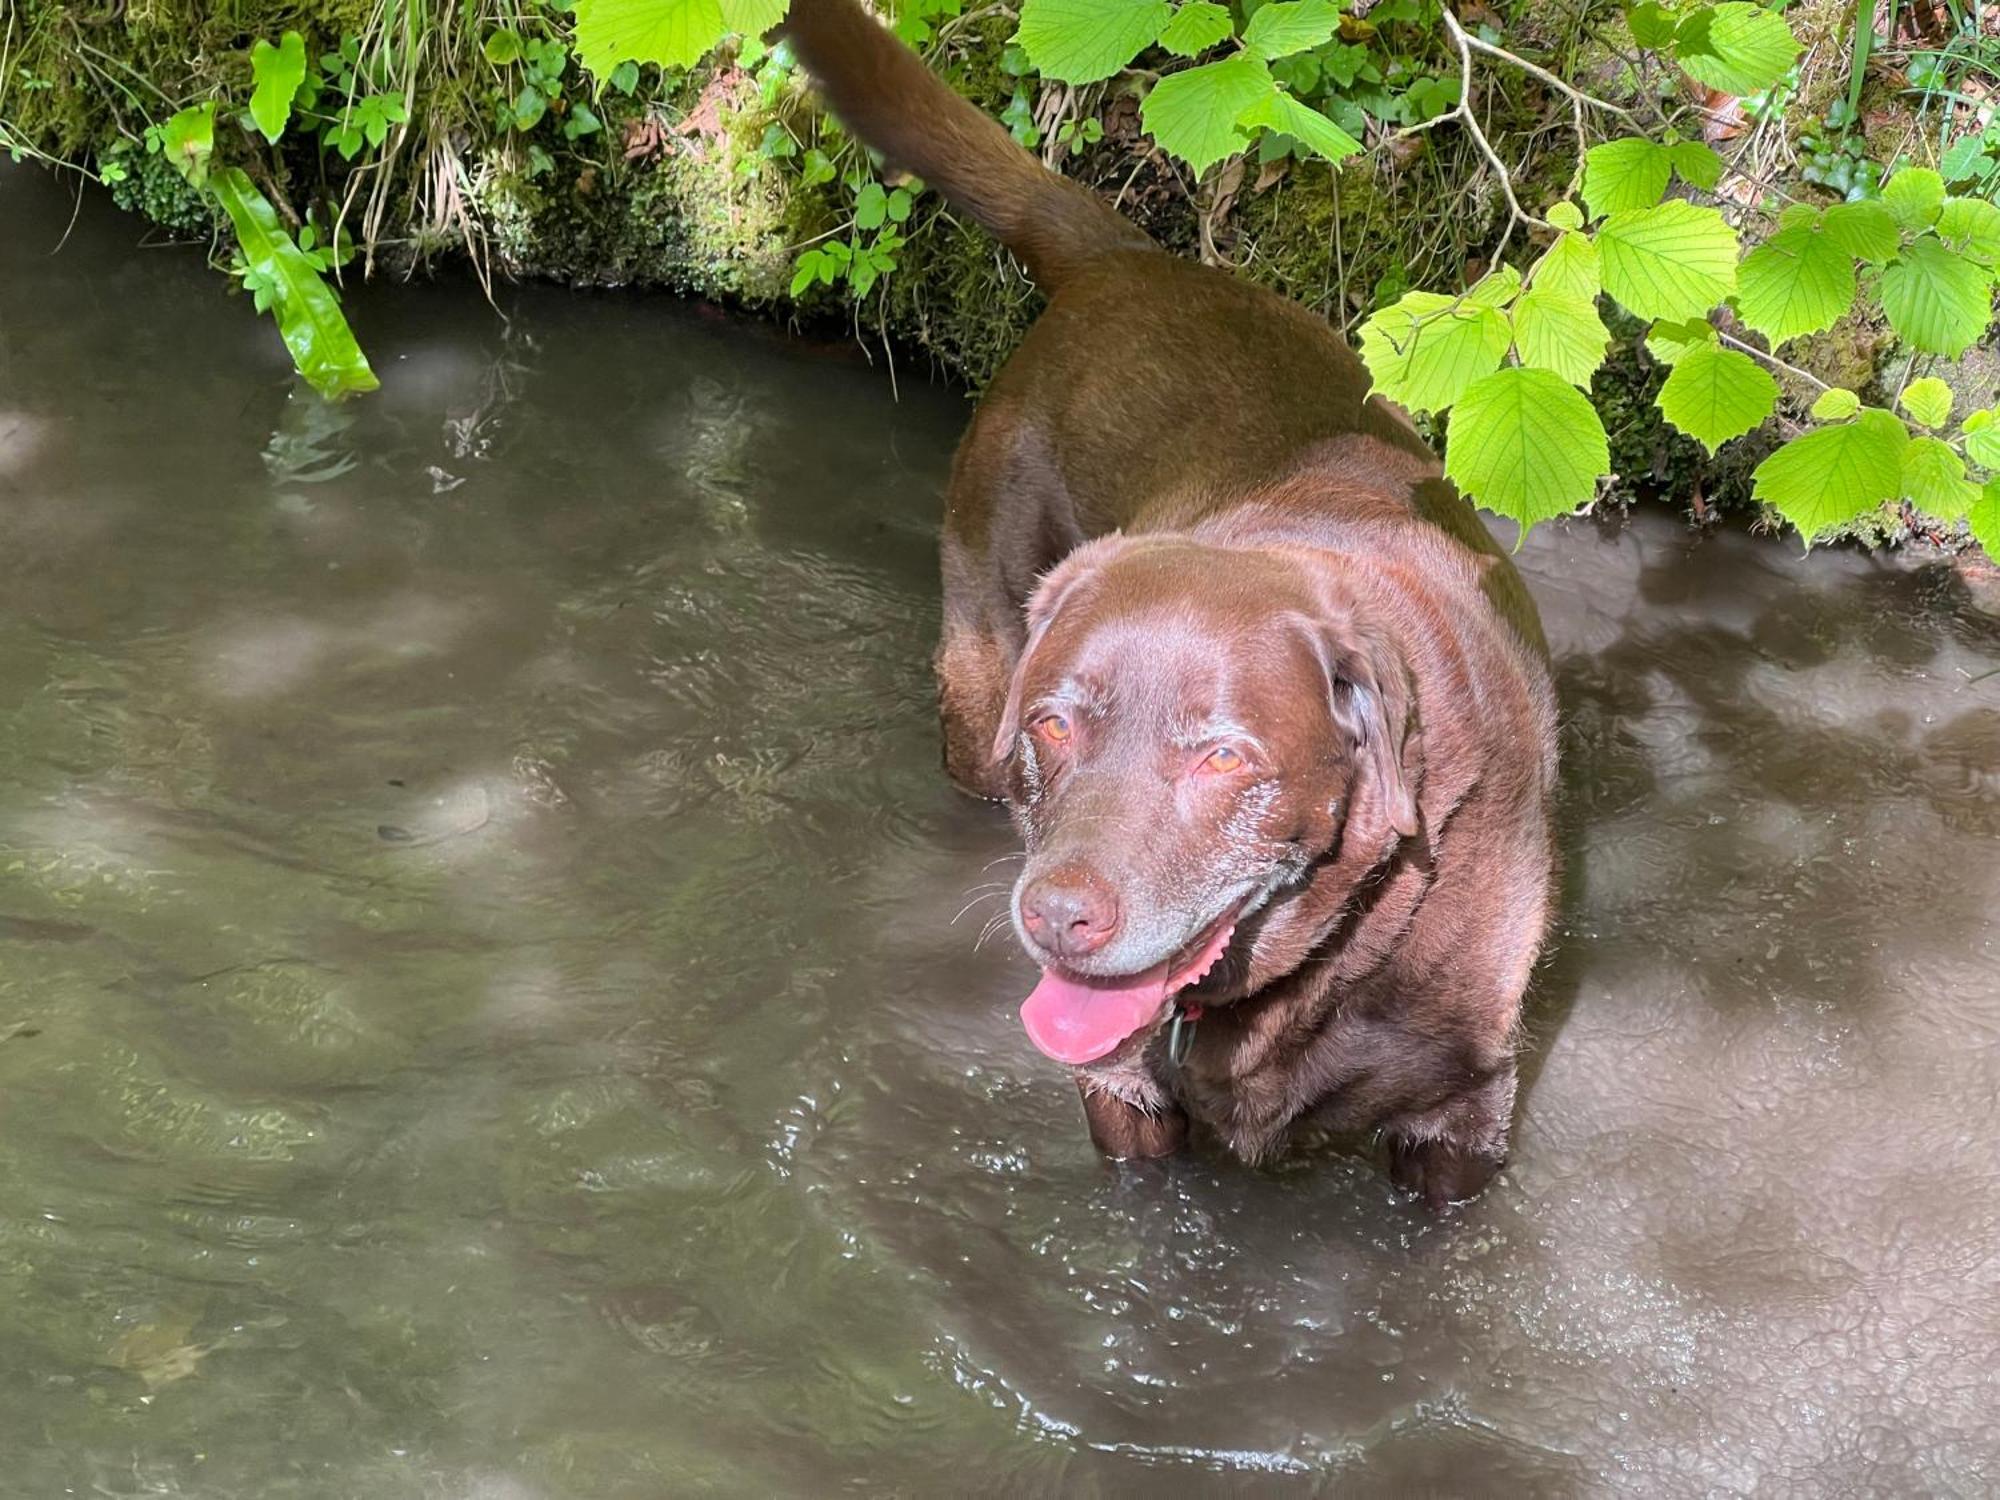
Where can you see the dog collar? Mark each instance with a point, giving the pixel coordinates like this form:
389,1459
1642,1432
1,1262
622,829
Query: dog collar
1180,1033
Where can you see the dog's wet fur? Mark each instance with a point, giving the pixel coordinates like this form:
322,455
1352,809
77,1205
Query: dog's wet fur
1225,641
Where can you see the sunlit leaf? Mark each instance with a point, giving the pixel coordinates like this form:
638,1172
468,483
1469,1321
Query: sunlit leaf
1526,444
1938,301
1934,479
1286,26
1982,437
187,140
1281,112
1556,331
1927,400
1671,261
1631,173
752,17
671,33
1830,475
1836,404
1866,229
1652,25
1425,350
1715,394
1669,343
1565,215
1081,41
1915,195
1737,47
1972,226
278,72
1984,518
1196,27
1569,266
1194,114
1798,281
309,318
1698,163
1496,288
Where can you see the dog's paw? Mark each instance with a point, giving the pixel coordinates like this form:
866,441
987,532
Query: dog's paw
1440,1172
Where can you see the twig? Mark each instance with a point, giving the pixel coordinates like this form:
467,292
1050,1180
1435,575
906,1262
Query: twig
1477,44
1771,359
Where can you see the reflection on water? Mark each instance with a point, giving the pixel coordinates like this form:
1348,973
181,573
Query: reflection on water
483,1013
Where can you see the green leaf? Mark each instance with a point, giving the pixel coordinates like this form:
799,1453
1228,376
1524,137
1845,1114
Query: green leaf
188,141
529,107
1971,226
1425,350
1194,114
871,206
1557,331
1525,443
1565,215
672,33
580,122
1865,230
1196,27
1670,343
1281,112
503,47
1836,405
1798,216
309,317
1829,476
1934,479
1081,41
1915,195
1798,281
1736,47
1569,266
1715,394
1652,26
1984,518
1496,288
1963,159
752,17
1982,438
1288,26
1672,261
1937,301
1631,173
1927,400
1700,164
278,71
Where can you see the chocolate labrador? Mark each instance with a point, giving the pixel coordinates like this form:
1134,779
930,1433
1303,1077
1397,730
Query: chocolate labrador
1270,708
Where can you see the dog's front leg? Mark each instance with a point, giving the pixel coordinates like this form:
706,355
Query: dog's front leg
1131,1117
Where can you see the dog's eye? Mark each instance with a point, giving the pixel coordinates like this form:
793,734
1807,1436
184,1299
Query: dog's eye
1223,759
1053,728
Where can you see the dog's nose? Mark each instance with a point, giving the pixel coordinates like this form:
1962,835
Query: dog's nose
1069,914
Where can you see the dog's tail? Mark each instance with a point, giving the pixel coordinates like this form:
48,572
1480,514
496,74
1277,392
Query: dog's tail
884,94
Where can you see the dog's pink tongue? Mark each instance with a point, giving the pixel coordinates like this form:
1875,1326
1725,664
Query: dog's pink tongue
1079,1020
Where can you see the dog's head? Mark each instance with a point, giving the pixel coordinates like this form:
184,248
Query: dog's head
1190,729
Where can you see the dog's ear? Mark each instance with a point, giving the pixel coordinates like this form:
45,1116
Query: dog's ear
1368,690
1058,587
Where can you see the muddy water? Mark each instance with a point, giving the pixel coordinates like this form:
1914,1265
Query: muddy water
483,1013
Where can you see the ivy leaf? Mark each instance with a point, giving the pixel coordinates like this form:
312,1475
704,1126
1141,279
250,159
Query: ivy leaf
1715,394
1425,350
1652,26
278,71
1830,475
1736,47
1288,26
1670,343
1194,114
1671,261
1700,164
1281,112
1836,405
1631,173
1798,281
1915,196
1982,439
1938,301
1984,518
752,17
1527,444
1934,479
1865,230
1196,27
1971,226
672,33
1554,330
1928,400
309,317
1569,266
1081,41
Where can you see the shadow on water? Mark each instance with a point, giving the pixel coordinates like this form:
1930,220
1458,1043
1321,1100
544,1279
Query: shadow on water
492,1005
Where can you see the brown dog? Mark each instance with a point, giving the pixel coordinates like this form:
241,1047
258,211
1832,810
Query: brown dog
1270,708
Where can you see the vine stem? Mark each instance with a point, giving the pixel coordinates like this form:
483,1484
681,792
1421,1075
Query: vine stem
1466,41
1771,359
